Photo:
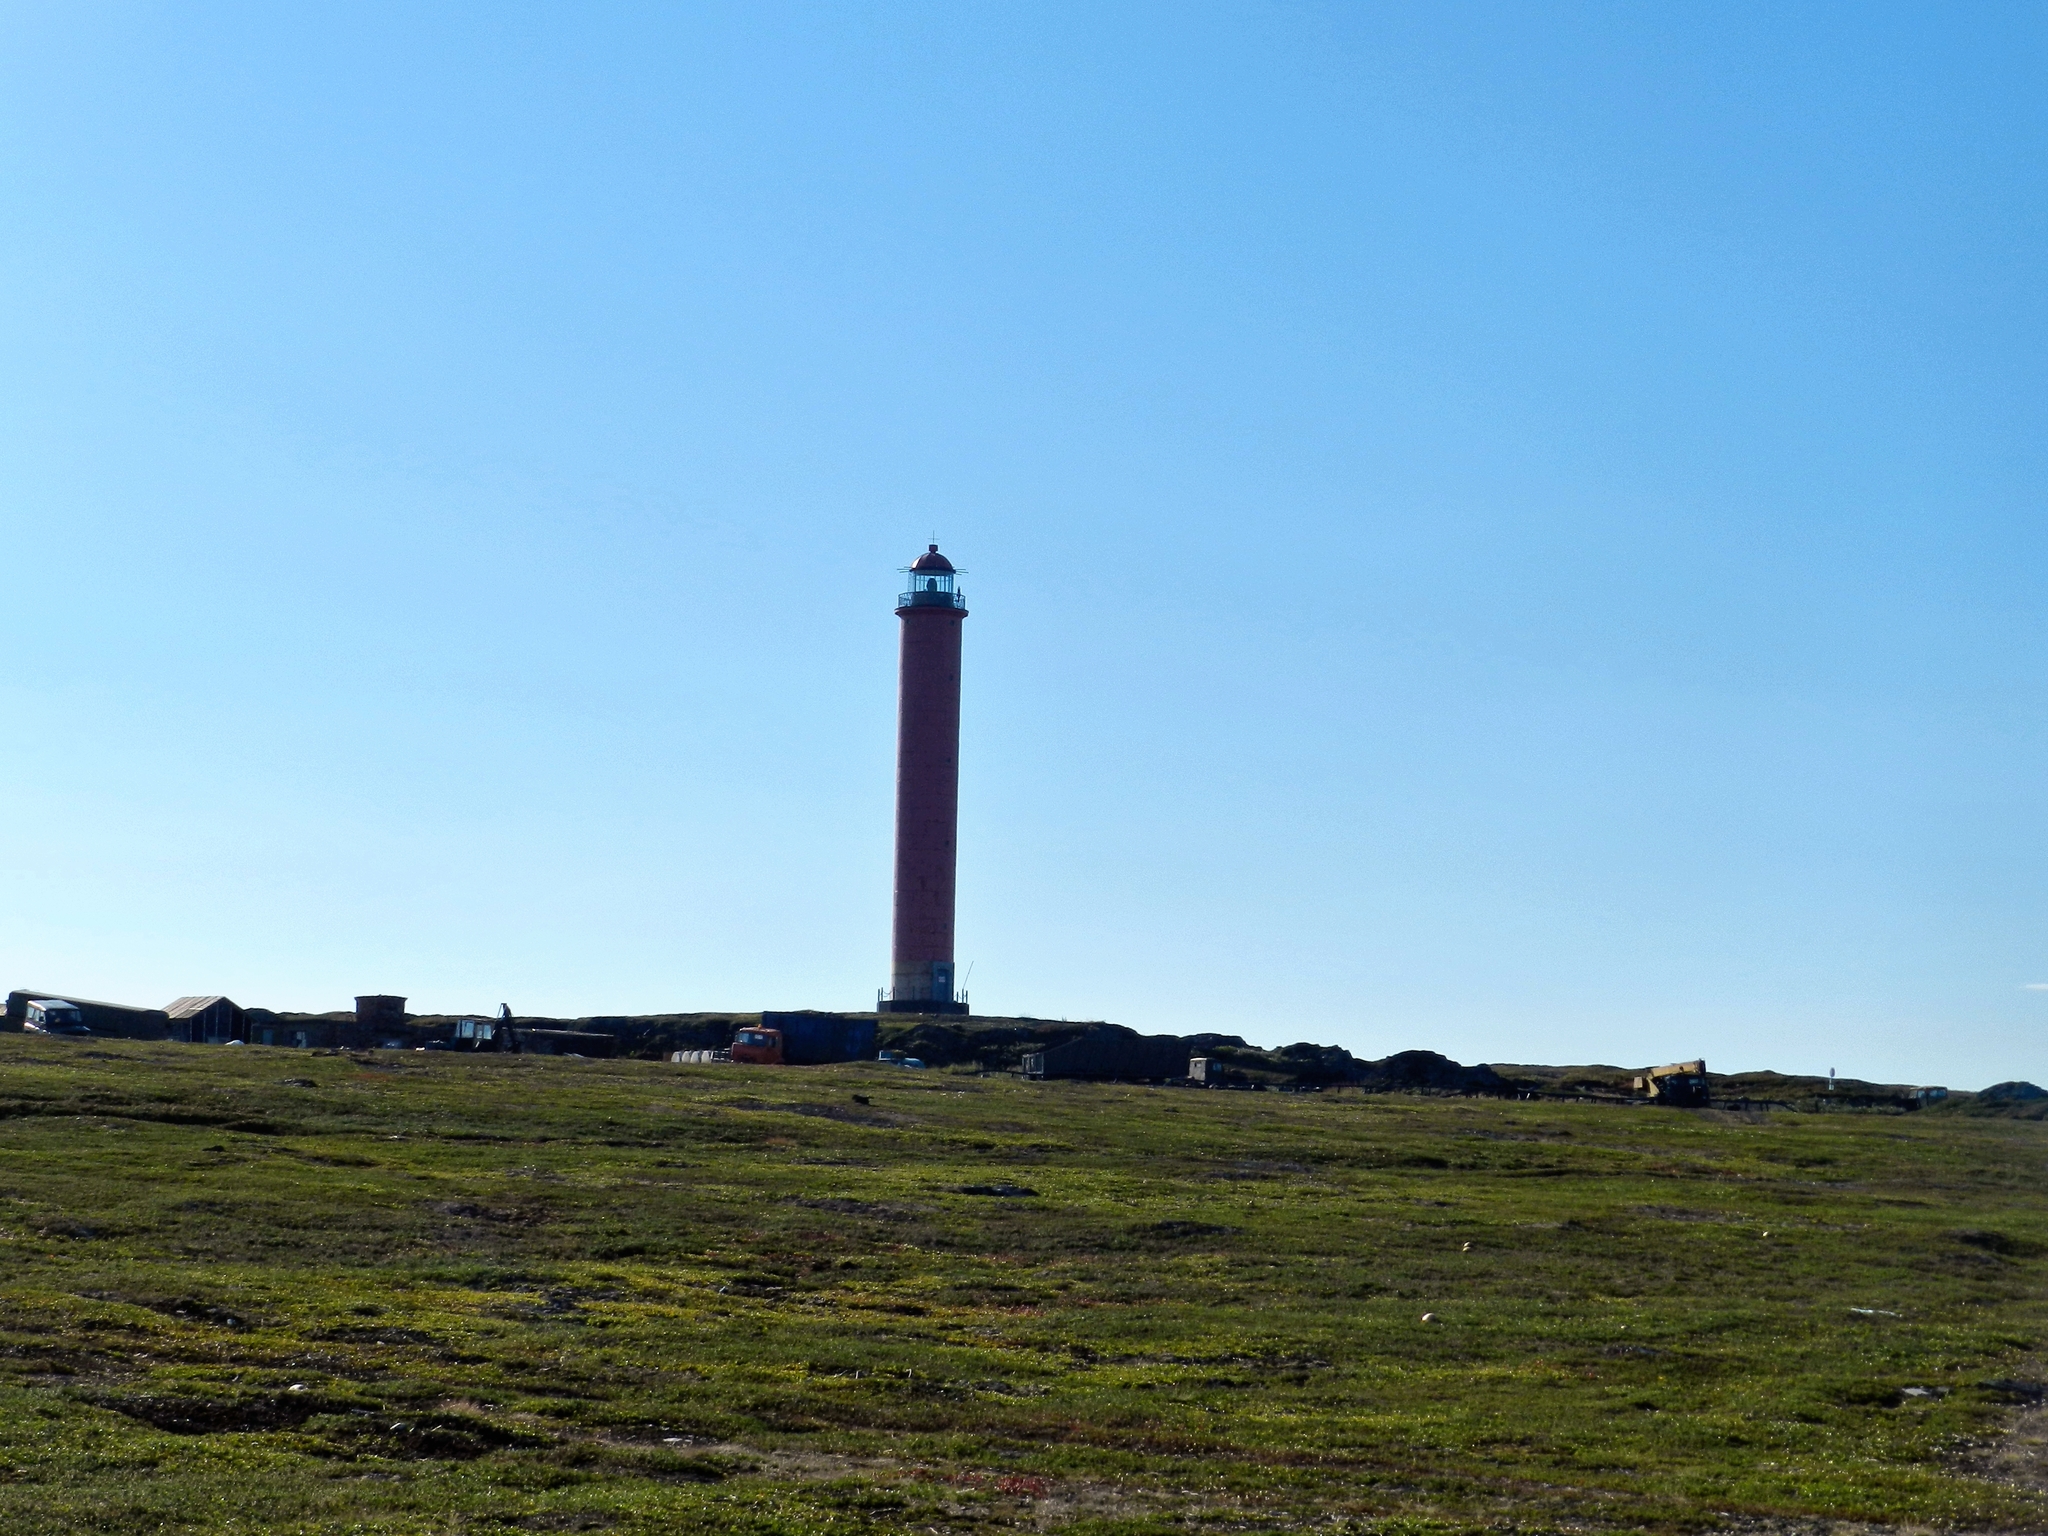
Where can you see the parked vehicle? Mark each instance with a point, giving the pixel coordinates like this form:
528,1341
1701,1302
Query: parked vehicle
758,1047
481,1035
1682,1085
804,1039
53,1016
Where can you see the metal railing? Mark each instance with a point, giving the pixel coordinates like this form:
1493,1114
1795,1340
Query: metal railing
926,598
883,999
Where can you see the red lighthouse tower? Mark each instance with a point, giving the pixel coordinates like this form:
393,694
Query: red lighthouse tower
927,790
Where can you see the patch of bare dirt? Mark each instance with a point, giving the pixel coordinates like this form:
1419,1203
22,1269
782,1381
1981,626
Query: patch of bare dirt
2019,1457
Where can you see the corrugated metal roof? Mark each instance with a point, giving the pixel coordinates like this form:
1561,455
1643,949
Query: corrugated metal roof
185,1007
31,993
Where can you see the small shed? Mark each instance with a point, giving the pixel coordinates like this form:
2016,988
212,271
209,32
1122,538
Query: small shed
209,1020
378,1012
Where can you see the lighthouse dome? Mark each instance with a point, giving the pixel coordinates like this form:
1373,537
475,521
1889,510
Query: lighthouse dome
932,583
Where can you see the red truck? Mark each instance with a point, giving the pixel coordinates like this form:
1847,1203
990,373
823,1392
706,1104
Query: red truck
763,1047
798,1039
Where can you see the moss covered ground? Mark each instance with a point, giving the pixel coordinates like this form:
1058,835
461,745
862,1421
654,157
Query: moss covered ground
265,1290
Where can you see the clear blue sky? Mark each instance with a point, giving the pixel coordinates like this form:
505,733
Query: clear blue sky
1509,529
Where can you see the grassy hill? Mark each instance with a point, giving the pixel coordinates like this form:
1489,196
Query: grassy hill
267,1290
999,1044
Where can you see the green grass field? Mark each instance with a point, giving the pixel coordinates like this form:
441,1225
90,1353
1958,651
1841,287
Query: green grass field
263,1290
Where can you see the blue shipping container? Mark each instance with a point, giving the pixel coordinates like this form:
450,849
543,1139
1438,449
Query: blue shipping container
811,1039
